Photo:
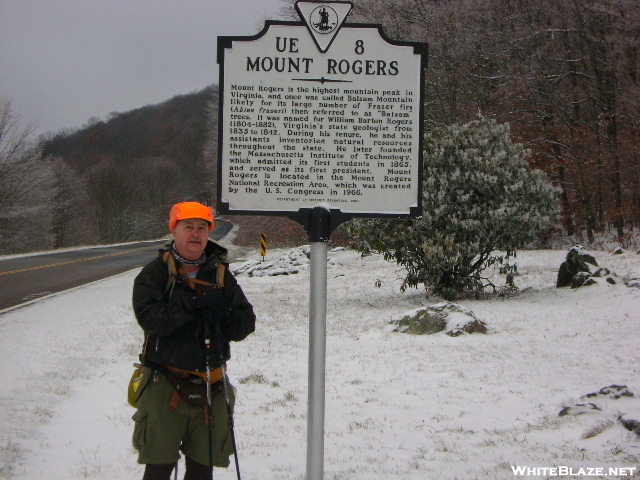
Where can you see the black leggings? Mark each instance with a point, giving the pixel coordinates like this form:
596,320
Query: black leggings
194,471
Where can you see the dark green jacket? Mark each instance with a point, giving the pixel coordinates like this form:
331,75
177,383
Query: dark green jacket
173,331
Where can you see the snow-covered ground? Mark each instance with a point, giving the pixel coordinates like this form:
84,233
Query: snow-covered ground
397,406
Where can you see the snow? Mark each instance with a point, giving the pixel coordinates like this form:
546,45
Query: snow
397,406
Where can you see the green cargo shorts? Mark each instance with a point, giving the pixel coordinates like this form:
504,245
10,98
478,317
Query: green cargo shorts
160,434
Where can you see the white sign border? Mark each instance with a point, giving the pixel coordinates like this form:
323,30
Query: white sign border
303,214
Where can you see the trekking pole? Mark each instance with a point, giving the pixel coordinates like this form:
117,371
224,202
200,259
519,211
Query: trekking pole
207,360
225,382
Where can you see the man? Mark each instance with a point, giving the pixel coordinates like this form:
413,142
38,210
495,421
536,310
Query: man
182,297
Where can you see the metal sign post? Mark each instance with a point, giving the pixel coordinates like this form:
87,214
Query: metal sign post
317,356
318,236
320,121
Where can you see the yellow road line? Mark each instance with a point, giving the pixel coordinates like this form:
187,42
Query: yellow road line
66,263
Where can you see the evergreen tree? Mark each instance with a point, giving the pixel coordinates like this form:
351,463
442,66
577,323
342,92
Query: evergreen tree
481,201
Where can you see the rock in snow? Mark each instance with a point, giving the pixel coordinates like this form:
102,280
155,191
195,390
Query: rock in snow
581,269
451,318
615,402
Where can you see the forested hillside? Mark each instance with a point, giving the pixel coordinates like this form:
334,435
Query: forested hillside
133,166
564,74
175,129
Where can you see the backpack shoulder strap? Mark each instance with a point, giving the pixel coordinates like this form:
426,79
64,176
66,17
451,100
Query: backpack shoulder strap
173,272
171,267
220,278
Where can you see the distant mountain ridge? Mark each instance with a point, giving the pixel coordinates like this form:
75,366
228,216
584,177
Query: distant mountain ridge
176,129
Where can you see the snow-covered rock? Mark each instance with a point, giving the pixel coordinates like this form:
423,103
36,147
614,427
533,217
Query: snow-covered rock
290,263
581,269
611,405
634,282
451,318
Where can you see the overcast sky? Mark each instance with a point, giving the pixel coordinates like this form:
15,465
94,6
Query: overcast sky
64,61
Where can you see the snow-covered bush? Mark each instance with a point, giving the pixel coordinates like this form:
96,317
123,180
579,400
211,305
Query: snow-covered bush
480,197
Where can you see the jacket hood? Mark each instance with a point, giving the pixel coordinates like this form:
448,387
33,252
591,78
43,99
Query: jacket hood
218,250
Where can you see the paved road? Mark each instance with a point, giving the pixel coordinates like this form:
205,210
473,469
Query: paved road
27,278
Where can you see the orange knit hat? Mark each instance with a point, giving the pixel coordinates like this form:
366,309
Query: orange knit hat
184,210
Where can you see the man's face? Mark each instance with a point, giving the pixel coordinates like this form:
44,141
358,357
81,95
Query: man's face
191,237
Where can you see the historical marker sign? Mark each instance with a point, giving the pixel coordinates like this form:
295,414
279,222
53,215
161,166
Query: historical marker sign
320,113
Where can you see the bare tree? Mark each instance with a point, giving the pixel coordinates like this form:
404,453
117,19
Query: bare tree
18,157
114,195
68,206
210,151
24,187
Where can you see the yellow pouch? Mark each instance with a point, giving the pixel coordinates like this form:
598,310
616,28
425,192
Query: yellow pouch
134,384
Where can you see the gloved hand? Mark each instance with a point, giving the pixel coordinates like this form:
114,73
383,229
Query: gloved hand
212,301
